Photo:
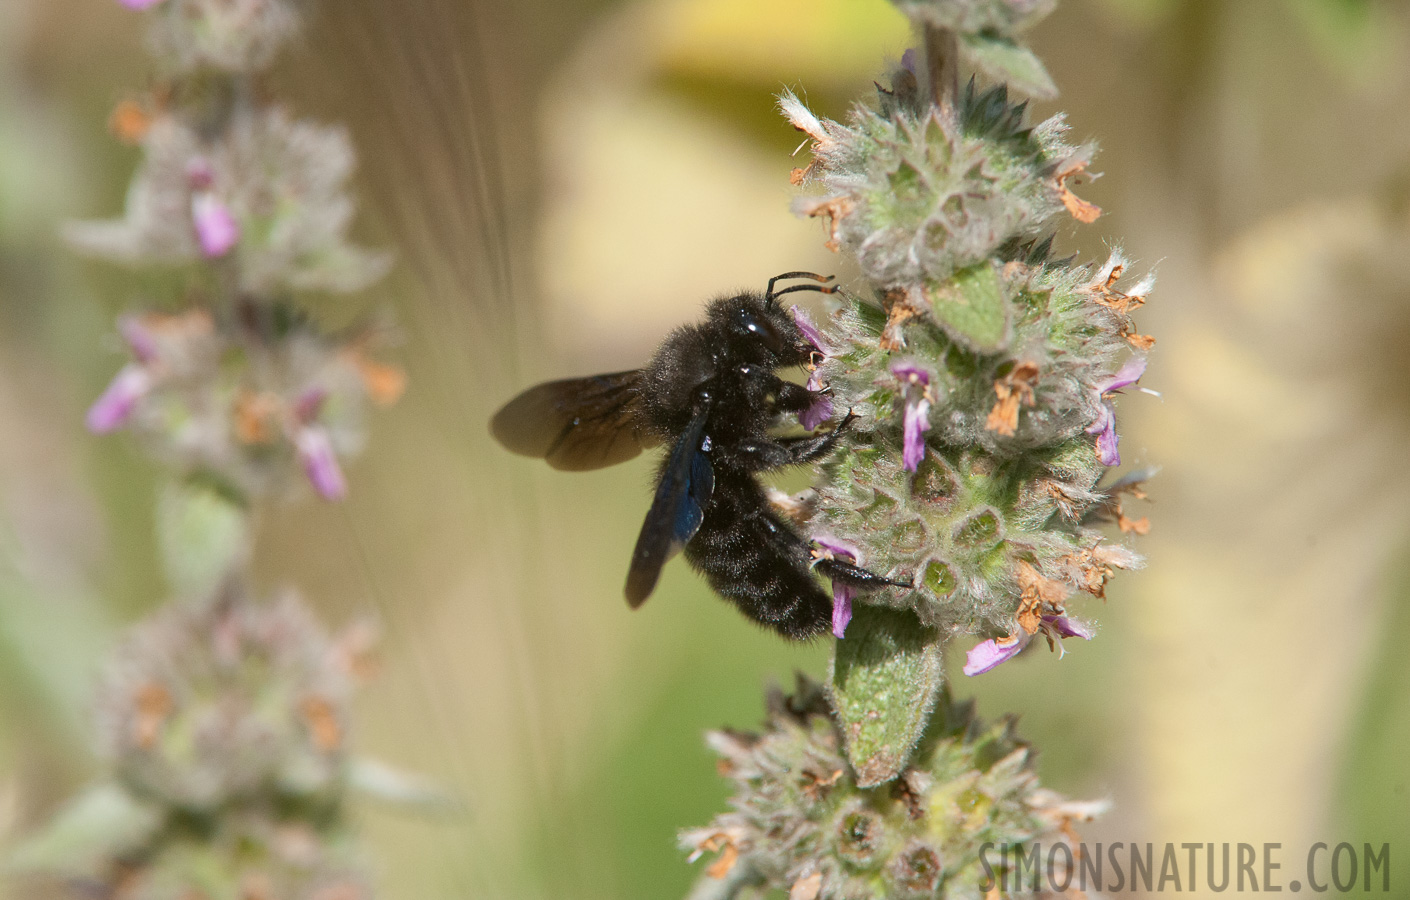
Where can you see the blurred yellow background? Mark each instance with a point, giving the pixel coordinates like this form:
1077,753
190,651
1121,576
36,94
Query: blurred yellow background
562,182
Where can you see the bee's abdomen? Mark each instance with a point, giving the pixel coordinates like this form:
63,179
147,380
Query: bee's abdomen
758,562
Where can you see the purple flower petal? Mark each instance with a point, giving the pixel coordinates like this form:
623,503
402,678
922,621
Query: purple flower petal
1064,627
139,4
1105,420
908,60
1106,446
841,593
1104,425
916,420
1129,374
911,373
985,656
200,174
320,463
139,338
821,409
216,228
917,423
810,331
308,405
841,608
816,414
838,547
114,408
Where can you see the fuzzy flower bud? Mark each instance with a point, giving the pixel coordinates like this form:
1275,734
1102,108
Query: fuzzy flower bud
225,723
235,36
226,702
801,824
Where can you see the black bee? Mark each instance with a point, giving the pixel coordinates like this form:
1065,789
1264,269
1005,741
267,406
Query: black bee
713,393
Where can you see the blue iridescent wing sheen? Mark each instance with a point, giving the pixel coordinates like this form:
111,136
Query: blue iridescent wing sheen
687,480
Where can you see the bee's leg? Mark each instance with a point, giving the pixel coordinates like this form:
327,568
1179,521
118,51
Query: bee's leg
807,449
791,397
759,455
856,576
767,453
793,545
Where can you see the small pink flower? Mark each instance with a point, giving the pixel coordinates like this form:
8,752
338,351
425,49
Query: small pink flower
988,654
115,407
810,331
217,231
200,174
139,4
985,656
916,420
320,463
309,404
139,338
1104,426
841,594
821,409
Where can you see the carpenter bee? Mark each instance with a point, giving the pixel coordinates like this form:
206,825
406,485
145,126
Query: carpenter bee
712,392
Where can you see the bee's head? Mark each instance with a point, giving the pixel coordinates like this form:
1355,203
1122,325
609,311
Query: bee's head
759,330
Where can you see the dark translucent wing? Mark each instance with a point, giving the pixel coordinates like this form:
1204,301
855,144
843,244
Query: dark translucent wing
577,423
676,512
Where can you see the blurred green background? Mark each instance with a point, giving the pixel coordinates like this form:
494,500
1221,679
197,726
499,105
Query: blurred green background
562,183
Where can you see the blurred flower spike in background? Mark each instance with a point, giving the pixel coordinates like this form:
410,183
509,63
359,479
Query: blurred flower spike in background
225,719
240,406
225,722
270,192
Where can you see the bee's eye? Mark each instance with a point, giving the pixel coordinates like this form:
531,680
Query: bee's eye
761,329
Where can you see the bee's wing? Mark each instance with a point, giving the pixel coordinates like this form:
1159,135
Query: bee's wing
686,483
577,423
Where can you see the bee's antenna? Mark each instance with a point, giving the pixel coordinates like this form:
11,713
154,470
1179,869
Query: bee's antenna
822,287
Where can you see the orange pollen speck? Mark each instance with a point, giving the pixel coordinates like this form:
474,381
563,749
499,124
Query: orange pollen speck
255,414
129,122
322,722
385,382
154,703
